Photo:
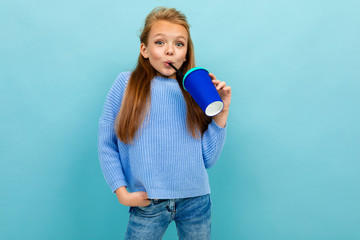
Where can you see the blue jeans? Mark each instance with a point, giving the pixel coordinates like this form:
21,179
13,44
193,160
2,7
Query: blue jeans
192,217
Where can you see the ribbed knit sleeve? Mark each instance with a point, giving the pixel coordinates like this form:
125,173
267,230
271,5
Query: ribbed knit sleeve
212,143
107,140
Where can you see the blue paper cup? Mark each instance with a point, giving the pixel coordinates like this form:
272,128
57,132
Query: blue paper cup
198,83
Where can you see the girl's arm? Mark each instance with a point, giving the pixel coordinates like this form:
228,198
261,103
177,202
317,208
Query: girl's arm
214,137
108,151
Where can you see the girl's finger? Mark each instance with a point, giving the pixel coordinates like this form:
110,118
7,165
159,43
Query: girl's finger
216,81
227,88
212,76
221,85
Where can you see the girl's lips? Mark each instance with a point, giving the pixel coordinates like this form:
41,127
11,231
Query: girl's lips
167,64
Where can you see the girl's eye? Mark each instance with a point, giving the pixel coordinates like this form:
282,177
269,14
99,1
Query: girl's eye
159,43
179,44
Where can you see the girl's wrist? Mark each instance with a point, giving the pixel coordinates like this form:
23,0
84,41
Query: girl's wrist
224,112
122,195
221,118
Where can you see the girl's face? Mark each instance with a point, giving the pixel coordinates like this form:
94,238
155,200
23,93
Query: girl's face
167,42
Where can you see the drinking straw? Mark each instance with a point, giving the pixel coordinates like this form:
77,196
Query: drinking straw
177,70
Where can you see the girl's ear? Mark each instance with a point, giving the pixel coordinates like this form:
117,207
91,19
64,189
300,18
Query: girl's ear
143,50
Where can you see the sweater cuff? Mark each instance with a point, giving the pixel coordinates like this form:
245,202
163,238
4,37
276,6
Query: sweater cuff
217,126
119,183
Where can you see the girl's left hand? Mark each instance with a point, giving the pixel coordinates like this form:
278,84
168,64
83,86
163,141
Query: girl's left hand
223,90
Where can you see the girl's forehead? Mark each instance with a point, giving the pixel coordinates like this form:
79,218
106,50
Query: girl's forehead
168,29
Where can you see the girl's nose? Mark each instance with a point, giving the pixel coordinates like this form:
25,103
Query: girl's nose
169,50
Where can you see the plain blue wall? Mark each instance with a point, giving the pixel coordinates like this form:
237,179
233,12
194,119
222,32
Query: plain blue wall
290,168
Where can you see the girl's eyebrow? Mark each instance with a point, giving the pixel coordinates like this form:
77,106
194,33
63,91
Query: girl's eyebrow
162,35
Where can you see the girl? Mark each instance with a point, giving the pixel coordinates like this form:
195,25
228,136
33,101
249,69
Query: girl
155,143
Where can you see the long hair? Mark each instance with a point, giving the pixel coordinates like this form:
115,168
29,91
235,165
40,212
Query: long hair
136,99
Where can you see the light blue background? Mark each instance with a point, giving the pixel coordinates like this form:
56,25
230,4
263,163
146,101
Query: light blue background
290,168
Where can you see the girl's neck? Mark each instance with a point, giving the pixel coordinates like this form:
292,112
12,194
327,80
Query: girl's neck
163,76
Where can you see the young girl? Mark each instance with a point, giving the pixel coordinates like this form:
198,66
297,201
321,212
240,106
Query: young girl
155,143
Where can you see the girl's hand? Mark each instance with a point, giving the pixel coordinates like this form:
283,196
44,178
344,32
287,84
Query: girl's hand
225,95
135,199
223,90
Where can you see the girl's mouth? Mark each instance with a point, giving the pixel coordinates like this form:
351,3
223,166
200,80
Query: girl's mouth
167,63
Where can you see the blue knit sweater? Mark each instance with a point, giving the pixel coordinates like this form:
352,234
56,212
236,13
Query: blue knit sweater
165,160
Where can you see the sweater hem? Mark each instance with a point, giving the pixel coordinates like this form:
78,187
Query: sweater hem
174,194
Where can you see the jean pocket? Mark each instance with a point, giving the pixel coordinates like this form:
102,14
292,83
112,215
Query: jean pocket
151,210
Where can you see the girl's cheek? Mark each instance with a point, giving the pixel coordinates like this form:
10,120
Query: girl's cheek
157,55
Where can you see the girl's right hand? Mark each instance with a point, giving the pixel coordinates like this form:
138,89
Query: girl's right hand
135,199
